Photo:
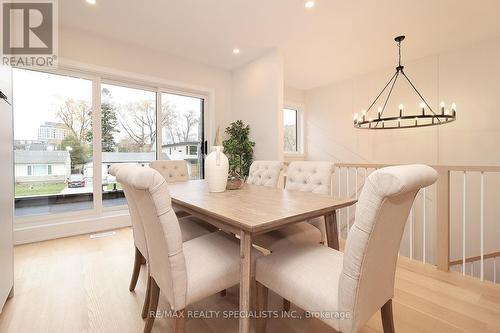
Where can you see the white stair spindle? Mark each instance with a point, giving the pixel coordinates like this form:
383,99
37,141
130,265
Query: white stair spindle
339,229
464,201
348,215
356,183
424,224
482,226
411,233
495,269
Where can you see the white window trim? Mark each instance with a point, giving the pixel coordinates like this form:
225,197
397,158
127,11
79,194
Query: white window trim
301,120
49,226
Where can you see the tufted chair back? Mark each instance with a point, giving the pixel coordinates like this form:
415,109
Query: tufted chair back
173,171
310,176
122,172
371,250
265,173
163,234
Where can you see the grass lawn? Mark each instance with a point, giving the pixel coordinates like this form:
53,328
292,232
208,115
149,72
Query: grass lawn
39,189
111,187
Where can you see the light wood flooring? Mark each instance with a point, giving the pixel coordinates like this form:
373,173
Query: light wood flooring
79,284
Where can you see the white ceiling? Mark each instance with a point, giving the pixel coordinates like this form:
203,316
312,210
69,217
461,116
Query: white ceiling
335,40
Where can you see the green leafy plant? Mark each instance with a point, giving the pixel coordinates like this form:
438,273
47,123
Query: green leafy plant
239,149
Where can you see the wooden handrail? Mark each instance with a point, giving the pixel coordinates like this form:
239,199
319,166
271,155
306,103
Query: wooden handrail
470,168
475,258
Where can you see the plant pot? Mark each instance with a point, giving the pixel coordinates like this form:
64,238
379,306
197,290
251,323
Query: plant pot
234,183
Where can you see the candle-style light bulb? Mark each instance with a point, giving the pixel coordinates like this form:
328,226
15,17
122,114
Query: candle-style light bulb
379,110
442,107
454,109
364,114
400,110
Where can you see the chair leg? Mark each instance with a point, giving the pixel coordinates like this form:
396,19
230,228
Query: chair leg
137,268
180,322
286,305
262,296
387,317
147,296
153,305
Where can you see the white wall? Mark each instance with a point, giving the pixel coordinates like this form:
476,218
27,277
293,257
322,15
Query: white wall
84,47
468,76
7,186
258,101
294,95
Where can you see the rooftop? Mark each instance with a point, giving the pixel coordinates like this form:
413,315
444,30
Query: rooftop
40,156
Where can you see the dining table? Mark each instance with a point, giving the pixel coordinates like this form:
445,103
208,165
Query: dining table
253,210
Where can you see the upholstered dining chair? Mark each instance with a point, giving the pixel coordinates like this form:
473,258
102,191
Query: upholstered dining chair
190,228
183,272
350,287
173,171
307,176
265,173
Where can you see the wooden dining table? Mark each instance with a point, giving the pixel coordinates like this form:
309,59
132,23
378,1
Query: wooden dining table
253,210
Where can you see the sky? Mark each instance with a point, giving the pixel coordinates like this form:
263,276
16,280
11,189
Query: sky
289,117
37,97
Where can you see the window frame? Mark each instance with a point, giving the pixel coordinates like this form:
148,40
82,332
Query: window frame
99,76
300,109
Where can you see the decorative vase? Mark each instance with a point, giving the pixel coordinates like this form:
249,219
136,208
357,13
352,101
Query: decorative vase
216,170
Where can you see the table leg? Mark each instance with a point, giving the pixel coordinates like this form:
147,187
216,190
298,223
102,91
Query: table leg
245,280
332,235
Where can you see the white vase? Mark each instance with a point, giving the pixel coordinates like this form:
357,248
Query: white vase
216,170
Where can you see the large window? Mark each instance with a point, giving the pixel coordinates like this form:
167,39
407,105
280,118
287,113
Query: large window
65,144
182,131
128,133
290,130
52,142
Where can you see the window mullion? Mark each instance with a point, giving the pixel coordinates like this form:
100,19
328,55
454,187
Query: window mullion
97,145
159,121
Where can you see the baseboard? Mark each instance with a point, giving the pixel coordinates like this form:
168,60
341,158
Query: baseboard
87,225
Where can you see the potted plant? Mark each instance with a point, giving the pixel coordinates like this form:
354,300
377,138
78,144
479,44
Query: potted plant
239,150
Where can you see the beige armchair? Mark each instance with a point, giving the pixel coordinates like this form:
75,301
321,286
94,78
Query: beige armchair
190,227
348,288
310,176
183,272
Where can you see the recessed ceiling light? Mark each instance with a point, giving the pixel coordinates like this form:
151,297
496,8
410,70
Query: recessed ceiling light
309,4
92,2
236,51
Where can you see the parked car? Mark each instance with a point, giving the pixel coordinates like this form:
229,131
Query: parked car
76,180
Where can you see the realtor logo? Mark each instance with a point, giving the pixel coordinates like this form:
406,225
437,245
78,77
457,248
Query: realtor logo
29,33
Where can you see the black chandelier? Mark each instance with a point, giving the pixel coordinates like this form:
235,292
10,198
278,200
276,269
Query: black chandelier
424,117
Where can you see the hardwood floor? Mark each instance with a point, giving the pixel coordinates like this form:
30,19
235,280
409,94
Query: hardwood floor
80,284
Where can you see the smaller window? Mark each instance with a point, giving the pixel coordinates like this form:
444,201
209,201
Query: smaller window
193,150
290,130
30,170
49,169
